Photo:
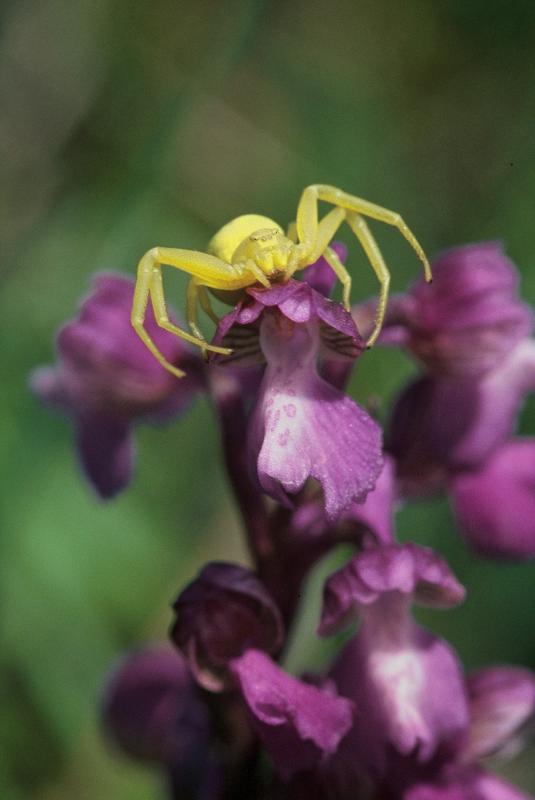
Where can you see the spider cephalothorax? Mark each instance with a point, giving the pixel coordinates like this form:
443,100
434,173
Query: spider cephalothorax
253,249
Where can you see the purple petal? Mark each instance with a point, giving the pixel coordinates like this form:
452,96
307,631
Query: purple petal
106,379
104,354
409,689
502,701
470,316
491,787
440,424
151,707
361,524
375,514
106,452
239,330
466,783
299,724
495,505
298,302
48,384
407,684
398,570
304,428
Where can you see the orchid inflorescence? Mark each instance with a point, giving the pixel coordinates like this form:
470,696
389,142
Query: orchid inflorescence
394,716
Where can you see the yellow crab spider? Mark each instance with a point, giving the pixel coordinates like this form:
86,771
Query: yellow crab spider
253,249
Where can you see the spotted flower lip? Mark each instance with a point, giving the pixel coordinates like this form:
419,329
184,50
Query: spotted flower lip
223,613
299,724
302,427
107,381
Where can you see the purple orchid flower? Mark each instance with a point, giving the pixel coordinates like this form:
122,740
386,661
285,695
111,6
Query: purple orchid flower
472,335
302,426
226,624
502,703
108,382
300,725
421,727
155,713
151,705
495,503
406,683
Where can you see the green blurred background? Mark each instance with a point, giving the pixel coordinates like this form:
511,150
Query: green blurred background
129,124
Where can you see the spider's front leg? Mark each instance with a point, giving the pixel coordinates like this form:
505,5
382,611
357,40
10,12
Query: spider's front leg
197,293
208,269
307,215
360,228
314,235
369,245
311,243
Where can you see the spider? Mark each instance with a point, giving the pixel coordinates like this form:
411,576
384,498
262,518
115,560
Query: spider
252,249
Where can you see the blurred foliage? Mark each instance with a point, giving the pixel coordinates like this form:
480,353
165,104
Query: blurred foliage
126,125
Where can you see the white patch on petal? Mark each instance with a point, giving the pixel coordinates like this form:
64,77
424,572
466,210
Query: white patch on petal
401,679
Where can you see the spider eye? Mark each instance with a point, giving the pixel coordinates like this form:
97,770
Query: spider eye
264,235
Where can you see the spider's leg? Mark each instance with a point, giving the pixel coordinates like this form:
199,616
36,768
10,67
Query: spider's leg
139,307
369,245
292,232
196,293
325,230
162,318
206,268
206,305
341,273
307,216
192,296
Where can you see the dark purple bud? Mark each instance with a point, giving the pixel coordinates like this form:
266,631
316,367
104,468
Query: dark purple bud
108,381
219,616
495,504
153,710
300,725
